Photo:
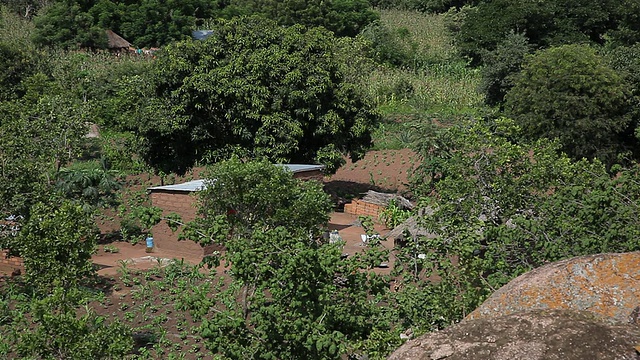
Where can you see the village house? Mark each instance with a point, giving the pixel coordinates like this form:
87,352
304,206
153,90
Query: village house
180,199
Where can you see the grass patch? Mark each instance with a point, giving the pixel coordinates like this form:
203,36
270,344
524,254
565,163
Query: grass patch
425,33
440,85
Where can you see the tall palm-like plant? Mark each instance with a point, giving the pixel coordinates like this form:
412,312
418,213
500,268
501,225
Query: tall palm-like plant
91,183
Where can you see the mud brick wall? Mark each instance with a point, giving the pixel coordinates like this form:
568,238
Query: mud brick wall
309,175
12,262
359,207
184,204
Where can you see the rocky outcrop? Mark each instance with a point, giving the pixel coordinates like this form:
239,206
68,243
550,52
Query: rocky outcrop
605,284
538,334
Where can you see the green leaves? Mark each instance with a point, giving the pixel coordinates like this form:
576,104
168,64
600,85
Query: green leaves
569,93
292,295
253,89
56,244
342,17
548,23
257,194
60,330
149,23
94,186
502,208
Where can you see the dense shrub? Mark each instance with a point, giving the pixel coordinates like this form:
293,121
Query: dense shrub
546,23
571,94
501,65
504,206
253,89
343,17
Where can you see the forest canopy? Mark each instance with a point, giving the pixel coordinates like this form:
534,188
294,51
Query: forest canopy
153,23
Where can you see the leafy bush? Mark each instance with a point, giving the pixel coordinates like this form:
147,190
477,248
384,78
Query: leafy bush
68,24
386,47
393,215
504,208
626,61
571,94
91,184
342,17
502,65
56,245
59,327
549,23
254,89
148,23
292,295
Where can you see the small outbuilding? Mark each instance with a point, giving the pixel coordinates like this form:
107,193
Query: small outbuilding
117,44
180,199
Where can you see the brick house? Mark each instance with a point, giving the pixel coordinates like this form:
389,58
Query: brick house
180,199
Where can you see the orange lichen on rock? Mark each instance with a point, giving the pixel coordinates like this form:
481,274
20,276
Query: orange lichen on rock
605,284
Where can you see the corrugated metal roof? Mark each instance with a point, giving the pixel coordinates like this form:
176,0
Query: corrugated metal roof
197,185
201,34
296,168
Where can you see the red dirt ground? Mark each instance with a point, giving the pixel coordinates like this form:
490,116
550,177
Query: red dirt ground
145,303
384,170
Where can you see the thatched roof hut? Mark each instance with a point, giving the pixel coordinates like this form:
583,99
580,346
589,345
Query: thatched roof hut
116,42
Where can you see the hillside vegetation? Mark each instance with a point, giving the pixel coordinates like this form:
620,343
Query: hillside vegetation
522,119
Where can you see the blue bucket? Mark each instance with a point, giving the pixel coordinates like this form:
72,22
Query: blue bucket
150,242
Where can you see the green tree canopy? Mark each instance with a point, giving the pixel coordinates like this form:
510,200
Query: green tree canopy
68,24
505,207
15,66
546,23
36,140
56,244
501,65
626,61
258,194
343,17
144,23
151,23
291,295
571,94
255,89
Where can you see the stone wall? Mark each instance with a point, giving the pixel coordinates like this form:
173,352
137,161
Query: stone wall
9,264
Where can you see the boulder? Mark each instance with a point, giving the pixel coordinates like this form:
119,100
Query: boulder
537,334
605,284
